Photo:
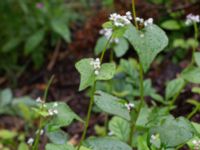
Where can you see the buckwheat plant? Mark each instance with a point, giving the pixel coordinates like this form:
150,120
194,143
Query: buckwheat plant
52,116
134,124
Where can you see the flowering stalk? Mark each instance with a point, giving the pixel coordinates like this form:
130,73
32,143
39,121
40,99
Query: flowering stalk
92,99
133,122
41,120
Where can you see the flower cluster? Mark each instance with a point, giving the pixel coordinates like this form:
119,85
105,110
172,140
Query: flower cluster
30,141
190,19
146,23
96,64
196,144
129,106
153,138
107,33
51,111
119,20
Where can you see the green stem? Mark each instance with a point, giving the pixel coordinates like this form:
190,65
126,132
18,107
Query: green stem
41,119
133,126
92,99
104,50
133,122
134,13
196,32
88,115
194,111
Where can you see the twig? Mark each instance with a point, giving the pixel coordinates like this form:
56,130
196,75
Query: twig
55,56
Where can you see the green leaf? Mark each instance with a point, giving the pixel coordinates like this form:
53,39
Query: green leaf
147,42
100,45
173,88
86,71
107,24
7,134
192,43
197,58
51,146
120,128
34,40
23,146
142,143
191,74
196,90
10,45
88,77
174,132
121,48
64,117
106,72
107,144
62,29
5,97
111,105
170,25
119,32
57,137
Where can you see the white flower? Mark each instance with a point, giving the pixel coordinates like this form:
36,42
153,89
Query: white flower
30,141
129,106
119,20
148,22
140,20
128,15
110,133
196,144
52,112
106,32
96,72
190,19
41,132
55,104
96,64
39,100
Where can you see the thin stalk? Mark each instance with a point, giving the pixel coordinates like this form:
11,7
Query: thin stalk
41,119
134,13
88,115
92,99
194,111
104,50
132,126
133,122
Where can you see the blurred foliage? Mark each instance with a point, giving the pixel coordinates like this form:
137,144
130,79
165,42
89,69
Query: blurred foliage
30,28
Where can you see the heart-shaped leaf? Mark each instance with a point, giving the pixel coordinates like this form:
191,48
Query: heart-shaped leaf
174,132
120,128
148,42
88,77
